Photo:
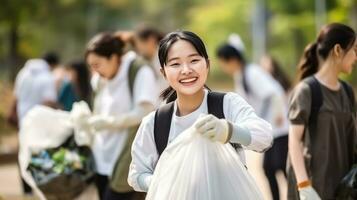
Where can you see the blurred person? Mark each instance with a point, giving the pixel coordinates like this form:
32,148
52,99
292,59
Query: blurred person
250,81
185,65
322,132
76,86
260,90
147,43
34,85
58,71
275,158
125,91
272,66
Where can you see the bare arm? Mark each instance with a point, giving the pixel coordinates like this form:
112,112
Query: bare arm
296,152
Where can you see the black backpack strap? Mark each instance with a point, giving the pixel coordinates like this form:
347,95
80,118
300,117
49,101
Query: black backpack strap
316,102
135,66
162,126
215,104
215,107
163,117
350,95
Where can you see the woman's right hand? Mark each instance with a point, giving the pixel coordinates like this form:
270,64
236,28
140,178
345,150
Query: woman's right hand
213,128
308,193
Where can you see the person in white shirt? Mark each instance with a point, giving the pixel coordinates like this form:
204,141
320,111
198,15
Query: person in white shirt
34,85
185,65
119,106
146,42
256,86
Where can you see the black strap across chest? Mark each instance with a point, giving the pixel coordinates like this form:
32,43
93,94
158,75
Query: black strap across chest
163,117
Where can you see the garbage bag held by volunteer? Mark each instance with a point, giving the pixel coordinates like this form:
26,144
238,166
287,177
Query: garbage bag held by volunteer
192,167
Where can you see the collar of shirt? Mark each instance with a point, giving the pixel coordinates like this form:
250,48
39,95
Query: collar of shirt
189,119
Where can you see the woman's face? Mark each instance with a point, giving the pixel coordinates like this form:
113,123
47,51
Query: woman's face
146,48
349,59
228,66
105,67
185,70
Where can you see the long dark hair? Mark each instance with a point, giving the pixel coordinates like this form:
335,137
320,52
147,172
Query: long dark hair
228,52
164,46
105,44
83,80
279,74
329,36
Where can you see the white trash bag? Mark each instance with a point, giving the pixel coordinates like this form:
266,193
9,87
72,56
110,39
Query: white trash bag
195,168
44,128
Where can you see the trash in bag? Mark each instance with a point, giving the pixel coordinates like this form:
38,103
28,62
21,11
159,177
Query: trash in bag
195,168
62,172
347,189
53,159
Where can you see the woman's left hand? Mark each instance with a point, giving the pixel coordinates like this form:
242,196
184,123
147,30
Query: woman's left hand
213,128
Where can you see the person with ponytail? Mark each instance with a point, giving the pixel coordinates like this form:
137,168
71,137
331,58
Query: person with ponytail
326,127
185,66
125,91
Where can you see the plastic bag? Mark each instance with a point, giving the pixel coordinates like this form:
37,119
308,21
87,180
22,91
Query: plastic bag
347,189
194,168
42,128
63,172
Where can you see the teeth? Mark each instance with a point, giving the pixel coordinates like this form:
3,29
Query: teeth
188,80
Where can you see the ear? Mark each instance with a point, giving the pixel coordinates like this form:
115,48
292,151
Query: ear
163,72
115,57
337,50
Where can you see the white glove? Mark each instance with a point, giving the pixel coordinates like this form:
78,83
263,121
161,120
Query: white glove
308,193
100,123
79,115
213,128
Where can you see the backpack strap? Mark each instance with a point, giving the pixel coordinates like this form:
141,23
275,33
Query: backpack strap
316,102
162,125
163,117
215,104
350,95
135,66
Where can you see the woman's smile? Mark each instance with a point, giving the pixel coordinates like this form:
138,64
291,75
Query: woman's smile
188,81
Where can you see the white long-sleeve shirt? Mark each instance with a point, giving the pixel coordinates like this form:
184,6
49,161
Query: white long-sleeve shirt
266,96
236,110
113,99
34,85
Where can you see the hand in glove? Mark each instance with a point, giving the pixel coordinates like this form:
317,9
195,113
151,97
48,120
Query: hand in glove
308,193
79,114
100,123
213,128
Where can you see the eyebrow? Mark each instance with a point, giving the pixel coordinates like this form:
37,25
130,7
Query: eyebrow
191,55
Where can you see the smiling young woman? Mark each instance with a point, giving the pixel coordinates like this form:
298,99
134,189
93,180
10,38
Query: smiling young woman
185,66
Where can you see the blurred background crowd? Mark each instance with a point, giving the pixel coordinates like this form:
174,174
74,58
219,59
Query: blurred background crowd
273,33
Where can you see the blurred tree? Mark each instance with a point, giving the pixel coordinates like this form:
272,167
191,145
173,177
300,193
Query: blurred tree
29,28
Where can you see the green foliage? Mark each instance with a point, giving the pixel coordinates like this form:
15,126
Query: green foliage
66,25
